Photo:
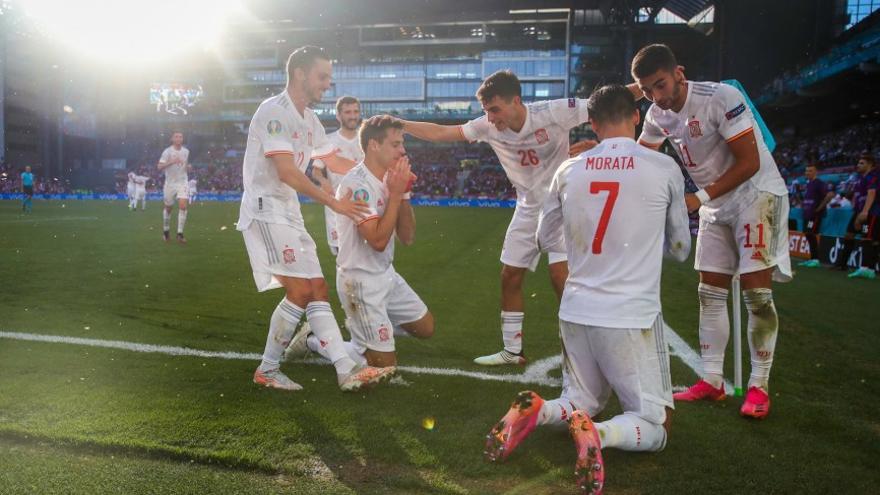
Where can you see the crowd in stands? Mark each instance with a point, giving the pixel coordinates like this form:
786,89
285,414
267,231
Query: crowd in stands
836,155
10,181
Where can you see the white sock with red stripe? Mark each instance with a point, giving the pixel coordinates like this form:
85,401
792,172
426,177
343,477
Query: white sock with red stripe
511,330
555,412
632,433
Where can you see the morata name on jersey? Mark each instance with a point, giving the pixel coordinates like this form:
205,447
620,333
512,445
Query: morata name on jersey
610,163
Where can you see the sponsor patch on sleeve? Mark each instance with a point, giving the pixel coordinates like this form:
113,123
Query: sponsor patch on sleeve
736,111
572,102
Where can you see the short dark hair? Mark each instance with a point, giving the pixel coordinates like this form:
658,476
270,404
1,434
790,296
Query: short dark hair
376,128
652,58
346,100
303,58
612,103
503,83
867,157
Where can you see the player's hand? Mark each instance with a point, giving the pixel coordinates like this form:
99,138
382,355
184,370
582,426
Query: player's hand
860,219
412,180
692,202
581,146
355,210
398,176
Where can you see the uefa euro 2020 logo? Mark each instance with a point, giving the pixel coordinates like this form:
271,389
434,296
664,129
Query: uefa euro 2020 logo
361,196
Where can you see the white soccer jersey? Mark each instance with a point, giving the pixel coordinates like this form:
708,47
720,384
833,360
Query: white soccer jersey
355,253
131,180
531,156
140,181
175,174
713,115
192,186
277,128
346,148
621,206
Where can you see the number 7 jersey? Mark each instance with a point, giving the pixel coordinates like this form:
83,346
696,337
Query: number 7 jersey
621,206
531,156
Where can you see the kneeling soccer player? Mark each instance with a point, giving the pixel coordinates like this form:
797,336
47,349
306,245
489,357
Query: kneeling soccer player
619,204
376,299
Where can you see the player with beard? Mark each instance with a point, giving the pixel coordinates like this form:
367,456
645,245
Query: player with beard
345,140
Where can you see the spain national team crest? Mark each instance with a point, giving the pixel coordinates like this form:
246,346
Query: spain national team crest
380,203
273,127
383,334
289,255
541,136
694,127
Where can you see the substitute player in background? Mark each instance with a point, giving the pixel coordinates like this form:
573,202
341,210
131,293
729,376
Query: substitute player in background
865,220
173,163
283,135
27,188
816,198
375,297
743,205
621,207
192,189
531,140
345,140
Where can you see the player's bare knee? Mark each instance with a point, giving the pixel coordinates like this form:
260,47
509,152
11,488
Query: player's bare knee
512,277
760,279
320,291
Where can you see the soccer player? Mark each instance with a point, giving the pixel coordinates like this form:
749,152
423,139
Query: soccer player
816,198
173,163
27,188
531,140
743,204
129,189
283,135
375,297
192,189
140,191
866,212
621,207
345,141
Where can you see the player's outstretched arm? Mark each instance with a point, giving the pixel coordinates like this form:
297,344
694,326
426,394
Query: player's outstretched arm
747,162
433,132
291,175
677,237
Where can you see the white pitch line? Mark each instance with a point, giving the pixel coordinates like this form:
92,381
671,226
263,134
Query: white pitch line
537,373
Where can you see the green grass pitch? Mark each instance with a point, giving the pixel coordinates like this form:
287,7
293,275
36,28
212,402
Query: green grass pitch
79,419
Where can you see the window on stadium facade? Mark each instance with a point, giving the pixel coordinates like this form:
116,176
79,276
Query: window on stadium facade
452,89
469,70
378,71
527,68
859,9
366,89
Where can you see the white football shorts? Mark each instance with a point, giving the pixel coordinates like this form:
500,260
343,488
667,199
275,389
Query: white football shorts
633,362
375,305
278,249
756,240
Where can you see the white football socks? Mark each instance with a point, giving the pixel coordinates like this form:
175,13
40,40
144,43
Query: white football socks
511,330
352,350
714,332
763,329
166,220
281,327
326,330
632,433
555,412
181,220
